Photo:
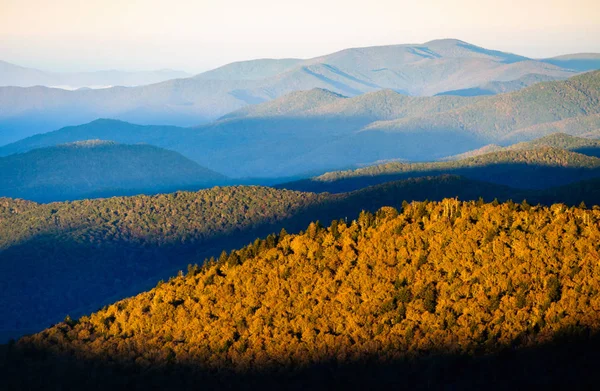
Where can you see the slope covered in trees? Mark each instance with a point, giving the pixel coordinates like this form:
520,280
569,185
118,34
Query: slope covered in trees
541,167
585,146
453,294
121,246
585,126
85,168
73,256
500,87
493,117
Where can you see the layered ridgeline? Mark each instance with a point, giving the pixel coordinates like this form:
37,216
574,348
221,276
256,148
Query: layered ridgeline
169,137
450,294
530,168
98,251
499,87
582,62
93,168
18,76
310,132
586,146
508,116
295,134
424,69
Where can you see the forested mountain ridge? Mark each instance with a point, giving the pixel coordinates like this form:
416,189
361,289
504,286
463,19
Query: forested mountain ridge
123,245
584,126
394,299
540,167
494,117
586,146
499,87
80,169
371,106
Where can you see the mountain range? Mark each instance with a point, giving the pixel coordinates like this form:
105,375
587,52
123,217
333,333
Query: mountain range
423,69
306,133
407,217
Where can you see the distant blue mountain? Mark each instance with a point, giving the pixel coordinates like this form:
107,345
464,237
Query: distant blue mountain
582,62
420,70
309,132
94,167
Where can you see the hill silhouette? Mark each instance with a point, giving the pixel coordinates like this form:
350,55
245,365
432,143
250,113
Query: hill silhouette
76,170
499,87
18,76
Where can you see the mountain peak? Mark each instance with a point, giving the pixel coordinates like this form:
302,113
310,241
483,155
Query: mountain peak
447,41
105,121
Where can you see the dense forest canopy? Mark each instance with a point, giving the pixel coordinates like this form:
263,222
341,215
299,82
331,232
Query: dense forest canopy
436,281
536,168
73,257
583,145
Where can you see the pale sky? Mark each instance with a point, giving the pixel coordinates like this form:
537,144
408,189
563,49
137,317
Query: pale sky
82,35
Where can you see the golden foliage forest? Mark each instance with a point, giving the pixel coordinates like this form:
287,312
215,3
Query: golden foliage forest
420,292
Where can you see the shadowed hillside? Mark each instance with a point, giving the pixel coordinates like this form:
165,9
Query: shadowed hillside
541,167
102,129
121,246
80,169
